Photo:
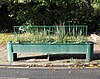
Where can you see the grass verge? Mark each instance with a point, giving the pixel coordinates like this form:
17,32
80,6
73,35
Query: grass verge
5,37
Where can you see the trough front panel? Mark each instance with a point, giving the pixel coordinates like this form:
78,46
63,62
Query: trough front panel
50,48
30,48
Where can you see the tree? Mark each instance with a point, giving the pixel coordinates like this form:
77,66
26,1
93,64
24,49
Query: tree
49,12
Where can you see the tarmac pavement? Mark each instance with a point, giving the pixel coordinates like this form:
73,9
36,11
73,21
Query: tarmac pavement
31,73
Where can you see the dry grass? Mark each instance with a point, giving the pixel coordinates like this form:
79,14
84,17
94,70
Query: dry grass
5,37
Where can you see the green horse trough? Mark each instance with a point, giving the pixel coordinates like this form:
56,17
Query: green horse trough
69,39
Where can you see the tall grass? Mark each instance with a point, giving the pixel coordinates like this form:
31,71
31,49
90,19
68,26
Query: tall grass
50,34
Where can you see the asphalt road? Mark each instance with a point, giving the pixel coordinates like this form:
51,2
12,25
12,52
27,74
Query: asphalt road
33,73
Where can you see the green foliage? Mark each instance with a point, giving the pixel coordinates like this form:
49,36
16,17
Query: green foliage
49,12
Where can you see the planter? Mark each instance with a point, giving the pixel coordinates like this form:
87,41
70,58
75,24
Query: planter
69,39
60,48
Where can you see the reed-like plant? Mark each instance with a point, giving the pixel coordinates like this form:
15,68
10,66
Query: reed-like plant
50,34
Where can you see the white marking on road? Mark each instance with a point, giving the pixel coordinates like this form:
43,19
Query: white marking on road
12,78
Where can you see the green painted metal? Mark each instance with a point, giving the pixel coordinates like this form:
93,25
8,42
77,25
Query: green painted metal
70,39
68,48
11,55
89,54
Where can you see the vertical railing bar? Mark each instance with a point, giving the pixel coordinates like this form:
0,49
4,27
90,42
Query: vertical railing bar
69,33
73,34
86,33
76,34
49,32
15,35
44,31
83,31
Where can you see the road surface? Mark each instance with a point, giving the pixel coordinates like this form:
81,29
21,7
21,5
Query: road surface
51,73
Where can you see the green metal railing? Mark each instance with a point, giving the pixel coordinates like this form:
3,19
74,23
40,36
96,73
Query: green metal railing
51,34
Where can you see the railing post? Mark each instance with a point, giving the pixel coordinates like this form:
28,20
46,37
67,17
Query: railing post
9,51
89,54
